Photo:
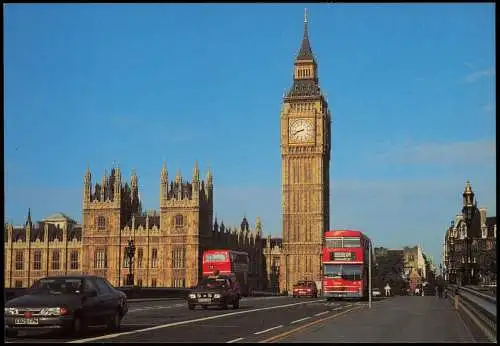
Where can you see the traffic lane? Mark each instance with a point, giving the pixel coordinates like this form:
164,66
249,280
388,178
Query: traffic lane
156,315
149,314
57,337
242,322
138,306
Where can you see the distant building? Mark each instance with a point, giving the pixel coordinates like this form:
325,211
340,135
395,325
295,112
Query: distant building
481,236
414,261
52,246
398,267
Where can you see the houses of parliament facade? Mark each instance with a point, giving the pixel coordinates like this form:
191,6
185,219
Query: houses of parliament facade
169,242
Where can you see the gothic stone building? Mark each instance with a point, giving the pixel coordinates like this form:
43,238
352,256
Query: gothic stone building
50,247
305,158
169,243
272,256
481,235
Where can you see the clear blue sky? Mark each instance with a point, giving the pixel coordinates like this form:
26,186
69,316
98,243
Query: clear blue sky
411,89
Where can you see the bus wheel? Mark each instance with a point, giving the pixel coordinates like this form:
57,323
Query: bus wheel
191,306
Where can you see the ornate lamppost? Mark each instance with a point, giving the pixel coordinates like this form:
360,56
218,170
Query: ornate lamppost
452,263
130,252
467,212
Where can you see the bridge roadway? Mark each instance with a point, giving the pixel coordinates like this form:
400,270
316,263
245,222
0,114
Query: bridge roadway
277,319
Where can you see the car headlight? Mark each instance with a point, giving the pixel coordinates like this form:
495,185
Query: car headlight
192,296
53,311
216,295
10,311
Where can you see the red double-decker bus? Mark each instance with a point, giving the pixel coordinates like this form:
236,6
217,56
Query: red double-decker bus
228,262
345,264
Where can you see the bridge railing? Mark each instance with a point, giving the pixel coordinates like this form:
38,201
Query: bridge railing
480,307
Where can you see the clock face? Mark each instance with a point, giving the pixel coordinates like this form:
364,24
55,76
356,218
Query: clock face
301,130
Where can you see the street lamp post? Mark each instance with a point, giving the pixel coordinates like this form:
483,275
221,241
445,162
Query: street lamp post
130,251
468,221
370,277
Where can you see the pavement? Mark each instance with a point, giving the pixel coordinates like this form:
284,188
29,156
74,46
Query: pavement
399,319
283,319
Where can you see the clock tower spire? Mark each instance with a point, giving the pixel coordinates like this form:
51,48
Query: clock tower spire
305,157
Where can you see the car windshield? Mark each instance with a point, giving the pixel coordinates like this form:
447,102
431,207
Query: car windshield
58,286
343,271
212,283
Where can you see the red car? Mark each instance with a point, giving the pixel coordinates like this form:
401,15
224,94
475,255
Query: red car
305,289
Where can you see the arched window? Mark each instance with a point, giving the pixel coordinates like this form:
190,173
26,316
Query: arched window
101,223
179,221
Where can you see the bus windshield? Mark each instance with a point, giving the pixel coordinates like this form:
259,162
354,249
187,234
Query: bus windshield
349,272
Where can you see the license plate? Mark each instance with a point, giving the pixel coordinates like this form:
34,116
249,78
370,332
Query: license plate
29,321
204,300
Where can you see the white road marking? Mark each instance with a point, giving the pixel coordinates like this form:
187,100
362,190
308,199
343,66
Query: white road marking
115,335
302,319
152,308
339,308
267,330
347,305
321,313
235,340
178,305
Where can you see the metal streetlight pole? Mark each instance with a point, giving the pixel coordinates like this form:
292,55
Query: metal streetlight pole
130,255
370,277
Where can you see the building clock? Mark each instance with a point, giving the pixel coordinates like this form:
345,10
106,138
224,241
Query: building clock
301,131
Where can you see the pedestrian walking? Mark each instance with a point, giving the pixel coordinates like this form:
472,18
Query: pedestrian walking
441,288
387,289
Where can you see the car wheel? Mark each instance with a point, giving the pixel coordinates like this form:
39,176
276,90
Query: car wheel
11,333
77,326
205,307
223,305
114,321
191,306
236,303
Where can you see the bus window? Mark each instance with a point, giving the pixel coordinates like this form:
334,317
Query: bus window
216,257
333,242
352,242
351,272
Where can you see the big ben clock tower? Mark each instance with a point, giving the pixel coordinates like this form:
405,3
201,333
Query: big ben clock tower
305,159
